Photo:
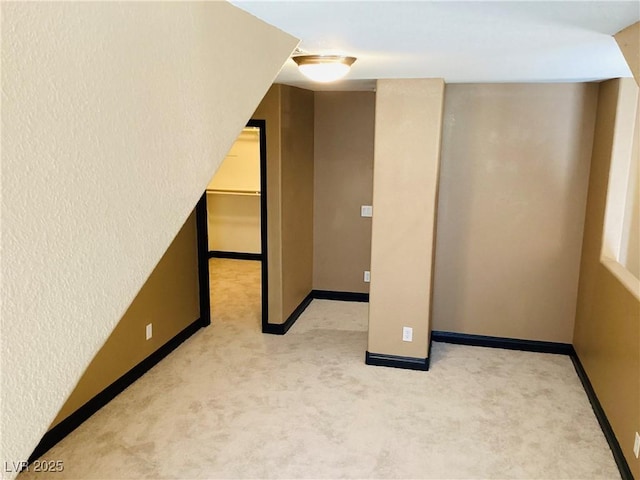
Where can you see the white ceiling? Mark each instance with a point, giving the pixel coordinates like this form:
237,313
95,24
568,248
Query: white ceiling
473,41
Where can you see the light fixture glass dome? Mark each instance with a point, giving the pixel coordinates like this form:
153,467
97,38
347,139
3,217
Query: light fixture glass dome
324,68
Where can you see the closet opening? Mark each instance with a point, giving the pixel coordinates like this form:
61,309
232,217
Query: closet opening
236,205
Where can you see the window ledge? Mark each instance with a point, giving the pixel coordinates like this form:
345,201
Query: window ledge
626,278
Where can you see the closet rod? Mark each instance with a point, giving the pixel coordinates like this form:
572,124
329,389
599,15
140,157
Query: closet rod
251,193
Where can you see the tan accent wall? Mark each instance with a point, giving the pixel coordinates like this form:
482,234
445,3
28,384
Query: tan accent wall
343,182
169,300
269,111
607,327
408,129
297,196
234,223
288,112
513,185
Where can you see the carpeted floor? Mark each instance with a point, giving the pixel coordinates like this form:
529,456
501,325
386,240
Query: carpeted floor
234,403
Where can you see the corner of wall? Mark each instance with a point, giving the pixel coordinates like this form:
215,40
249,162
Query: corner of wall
297,196
269,110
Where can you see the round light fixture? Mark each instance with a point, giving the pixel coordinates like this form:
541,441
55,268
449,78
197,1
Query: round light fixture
324,68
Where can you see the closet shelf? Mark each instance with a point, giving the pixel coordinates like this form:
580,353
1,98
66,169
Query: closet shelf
251,193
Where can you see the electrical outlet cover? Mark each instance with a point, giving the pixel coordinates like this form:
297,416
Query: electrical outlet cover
407,334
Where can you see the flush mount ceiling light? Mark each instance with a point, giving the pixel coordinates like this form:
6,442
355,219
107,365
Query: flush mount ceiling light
324,68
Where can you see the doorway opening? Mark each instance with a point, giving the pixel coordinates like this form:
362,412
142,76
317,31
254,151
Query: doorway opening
235,225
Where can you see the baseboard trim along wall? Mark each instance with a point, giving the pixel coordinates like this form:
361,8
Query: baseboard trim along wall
501,342
282,328
621,462
396,361
548,347
235,255
73,421
340,296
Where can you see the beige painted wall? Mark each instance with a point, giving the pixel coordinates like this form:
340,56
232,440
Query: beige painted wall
288,112
408,129
233,198
343,182
607,327
513,184
169,299
234,223
115,116
269,111
297,196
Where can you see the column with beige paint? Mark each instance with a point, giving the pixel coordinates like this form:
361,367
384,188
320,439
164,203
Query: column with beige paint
269,111
408,130
288,113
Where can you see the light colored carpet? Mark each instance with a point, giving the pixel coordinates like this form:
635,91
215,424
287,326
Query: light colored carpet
234,403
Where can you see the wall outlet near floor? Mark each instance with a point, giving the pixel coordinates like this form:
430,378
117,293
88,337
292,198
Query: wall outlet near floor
367,276
407,334
636,445
149,331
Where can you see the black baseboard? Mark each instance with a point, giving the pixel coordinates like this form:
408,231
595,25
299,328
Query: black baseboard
500,342
618,456
235,255
74,420
396,361
341,296
282,328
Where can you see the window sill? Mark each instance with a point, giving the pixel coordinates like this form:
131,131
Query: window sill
626,278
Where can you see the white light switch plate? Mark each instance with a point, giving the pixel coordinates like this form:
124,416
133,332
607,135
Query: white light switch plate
367,276
366,211
636,445
149,331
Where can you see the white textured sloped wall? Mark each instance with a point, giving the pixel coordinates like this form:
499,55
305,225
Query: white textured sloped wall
115,117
